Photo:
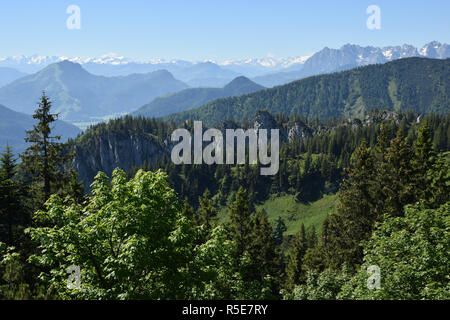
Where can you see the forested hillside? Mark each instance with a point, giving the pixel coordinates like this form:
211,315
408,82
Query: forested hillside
417,84
195,97
313,158
349,194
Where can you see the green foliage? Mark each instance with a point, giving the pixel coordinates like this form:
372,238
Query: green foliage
396,176
129,240
264,253
240,223
355,217
75,189
311,167
412,253
280,228
296,213
44,160
421,86
206,210
133,239
319,286
381,182
410,244
14,213
221,277
298,247
12,283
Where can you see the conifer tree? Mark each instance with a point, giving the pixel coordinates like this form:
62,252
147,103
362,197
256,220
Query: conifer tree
206,210
44,160
379,153
396,176
13,211
439,182
280,228
8,164
355,218
263,250
240,226
297,252
424,159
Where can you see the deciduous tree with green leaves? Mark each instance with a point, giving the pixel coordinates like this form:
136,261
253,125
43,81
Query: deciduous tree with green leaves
130,240
412,253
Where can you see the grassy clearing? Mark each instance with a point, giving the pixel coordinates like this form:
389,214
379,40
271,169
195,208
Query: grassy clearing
294,213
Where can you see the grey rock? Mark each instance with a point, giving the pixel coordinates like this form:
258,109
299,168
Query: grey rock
110,151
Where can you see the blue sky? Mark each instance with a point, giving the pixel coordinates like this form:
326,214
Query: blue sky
214,29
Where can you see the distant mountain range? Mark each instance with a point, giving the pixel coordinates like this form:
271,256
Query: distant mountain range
195,97
79,95
121,86
203,74
13,126
116,65
267,71
421,85
352,56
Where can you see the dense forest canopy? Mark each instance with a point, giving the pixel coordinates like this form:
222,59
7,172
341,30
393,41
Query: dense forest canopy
417,84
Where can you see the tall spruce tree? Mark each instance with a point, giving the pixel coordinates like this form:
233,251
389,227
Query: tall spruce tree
43,162
297,251
8,163
206,210
13,213
355,218
263,251
240,226
423,162
379,154
280,228
396,176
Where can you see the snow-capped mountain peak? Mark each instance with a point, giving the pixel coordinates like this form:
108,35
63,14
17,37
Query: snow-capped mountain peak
323,61
436,50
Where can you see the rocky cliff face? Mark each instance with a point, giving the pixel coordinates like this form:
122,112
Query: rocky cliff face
264,120
288,133
109,151
298,130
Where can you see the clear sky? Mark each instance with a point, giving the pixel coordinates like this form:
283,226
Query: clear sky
214,29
